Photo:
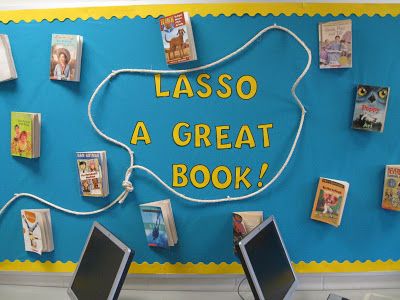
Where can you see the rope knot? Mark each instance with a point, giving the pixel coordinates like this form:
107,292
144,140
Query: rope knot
127,185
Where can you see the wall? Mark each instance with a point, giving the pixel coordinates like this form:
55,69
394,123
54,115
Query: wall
328,146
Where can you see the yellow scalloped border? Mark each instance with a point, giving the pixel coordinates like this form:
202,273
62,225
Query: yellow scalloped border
214,9
209,268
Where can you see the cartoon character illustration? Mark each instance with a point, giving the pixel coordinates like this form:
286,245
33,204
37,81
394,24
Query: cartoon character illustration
82,167
85,186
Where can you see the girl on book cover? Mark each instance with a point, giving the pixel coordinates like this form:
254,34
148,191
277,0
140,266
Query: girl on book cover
62,68
22,145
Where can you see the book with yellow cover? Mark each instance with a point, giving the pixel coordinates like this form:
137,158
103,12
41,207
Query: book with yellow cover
330,200
391,188
25,134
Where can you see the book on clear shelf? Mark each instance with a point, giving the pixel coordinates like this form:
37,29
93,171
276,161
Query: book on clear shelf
177,38
25,134
7,66
335,44
243,222
370,108
37,230
93,173
159,224
330,200
66,57
391,188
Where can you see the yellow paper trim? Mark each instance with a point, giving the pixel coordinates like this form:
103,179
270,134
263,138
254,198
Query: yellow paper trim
214,9
210,268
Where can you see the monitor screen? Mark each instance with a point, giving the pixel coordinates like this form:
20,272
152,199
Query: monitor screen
98,267
270,263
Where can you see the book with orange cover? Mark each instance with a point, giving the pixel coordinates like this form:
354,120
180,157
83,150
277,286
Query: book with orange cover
329,201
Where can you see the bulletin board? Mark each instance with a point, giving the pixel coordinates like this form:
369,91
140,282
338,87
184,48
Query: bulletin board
129,37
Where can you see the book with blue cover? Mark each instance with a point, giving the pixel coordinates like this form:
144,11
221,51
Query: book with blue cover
93,173
159,224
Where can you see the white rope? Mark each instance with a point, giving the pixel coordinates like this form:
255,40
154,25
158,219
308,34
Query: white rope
127,185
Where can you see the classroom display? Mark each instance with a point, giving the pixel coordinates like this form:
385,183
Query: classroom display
65,57
330,200
37,230
221,129
93,173
25,134
370,108
7,67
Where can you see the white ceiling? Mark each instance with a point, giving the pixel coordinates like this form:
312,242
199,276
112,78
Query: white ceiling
37,4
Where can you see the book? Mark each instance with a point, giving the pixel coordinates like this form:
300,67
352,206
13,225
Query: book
37,230
7,66
66,57
177,38
93,173
159,224
370,108
25,134
335,44
330,200
243,222
391,188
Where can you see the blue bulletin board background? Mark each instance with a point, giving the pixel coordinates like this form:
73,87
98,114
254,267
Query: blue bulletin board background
328,147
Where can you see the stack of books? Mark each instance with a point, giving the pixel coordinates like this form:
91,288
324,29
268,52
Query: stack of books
7,67
25,134
66,57
37,230
93,173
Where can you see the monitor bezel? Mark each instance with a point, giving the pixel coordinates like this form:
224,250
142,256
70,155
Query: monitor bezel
242,247
127,252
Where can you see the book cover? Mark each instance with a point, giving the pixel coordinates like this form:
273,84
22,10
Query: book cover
370,108
239,229
65,60
154,226
177,37
329,201
391,188
32,232
21,134
335,44
243,223
90,166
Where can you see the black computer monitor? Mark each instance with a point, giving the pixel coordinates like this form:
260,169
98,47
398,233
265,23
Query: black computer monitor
266,262
102,268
